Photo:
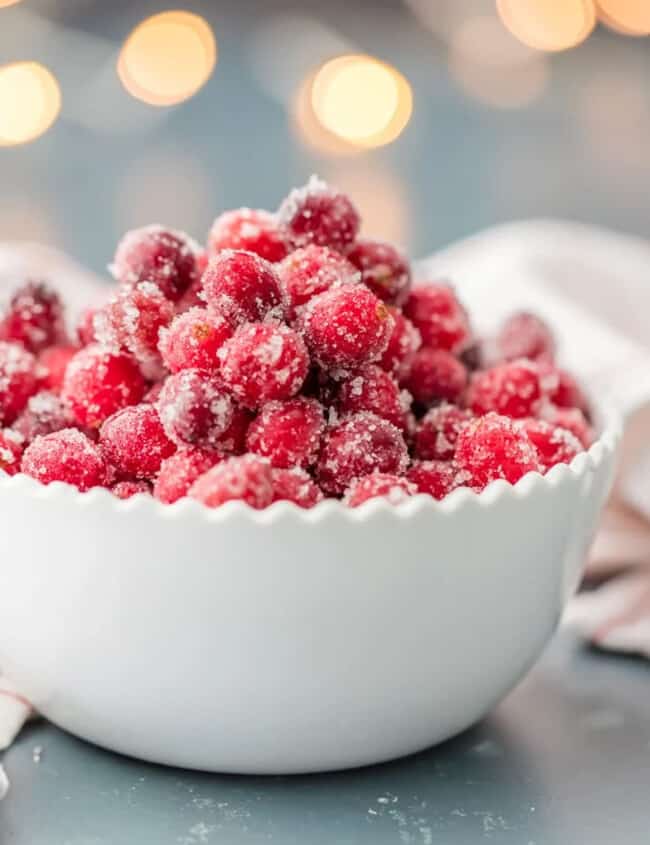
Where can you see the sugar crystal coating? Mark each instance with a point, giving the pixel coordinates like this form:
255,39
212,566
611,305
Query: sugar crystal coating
435,375
435,311
43,414
67,456
515,389
318,214
18,380
195,409
554,445
193,340
11,450
128,489
573,420
251,229
373,389
395,488
297,486
179,472
247,478
242,287
288,433
34,317
403,343
134,441
525,335
437,432
437,478
383,269
311,270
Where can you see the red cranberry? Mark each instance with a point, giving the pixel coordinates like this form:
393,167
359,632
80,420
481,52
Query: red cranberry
568,393
34,317
247,478
438,430
179,472
193,340
288,433
494,447
53,363
573,420
318,214
438,315
85,329
516,389
395,488
135,442
436,478
18,380
68,456
161,256
311,270
403,343
373,389
383,269
233,440
98,383
11,450
555,445
295,485
345,328
436,374
358,446
242,287
524,335
44,414
127,489
251,229
262,362
195,409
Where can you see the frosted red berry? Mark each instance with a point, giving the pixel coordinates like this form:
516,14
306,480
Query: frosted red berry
250,229
436,478
128,489
554,445
98,383
573,420
18,380
373,389
67,456
436,375
233,440
163,257
288,433
345,328
311,270
242,287
193,340
493,447
516,389
524,335
263,362
246,478
44,414
297,486
396,489
85,328
179,472
318,214
403,343
11,450
568,393
195,409
437,432
435,311
52,364
358,446
34,317
134,441
384,269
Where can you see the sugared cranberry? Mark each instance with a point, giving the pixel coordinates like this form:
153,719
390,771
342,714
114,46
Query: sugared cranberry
383,269
53,363
318,214
524,335
288,433
568,393
179,472
34,317
161,256
152,395
403,343
18,380
555,445
493,447
438,430
251,229
262,362
345,328
98,383
247,478
516,389
436,374
438,315
85,329
573,420
195,409
11,450
383,485
68,456
44,414
373,389
193,340
295,485
436,478
233,440
127,489
135,442
358,446
242,287
311,270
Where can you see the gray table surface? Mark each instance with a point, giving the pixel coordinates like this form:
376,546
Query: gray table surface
565,760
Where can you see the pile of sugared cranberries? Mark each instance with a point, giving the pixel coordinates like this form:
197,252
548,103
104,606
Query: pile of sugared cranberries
290,359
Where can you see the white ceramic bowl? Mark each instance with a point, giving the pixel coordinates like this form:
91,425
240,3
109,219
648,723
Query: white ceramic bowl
283,640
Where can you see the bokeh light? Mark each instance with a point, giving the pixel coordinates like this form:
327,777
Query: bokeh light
5,3
549,25
30,102
361,100
309,128
629,17
167,58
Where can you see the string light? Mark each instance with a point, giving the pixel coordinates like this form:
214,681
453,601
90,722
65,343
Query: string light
30,102
167,58
548,24
629,17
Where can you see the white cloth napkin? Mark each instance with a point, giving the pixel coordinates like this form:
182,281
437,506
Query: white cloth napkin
594,288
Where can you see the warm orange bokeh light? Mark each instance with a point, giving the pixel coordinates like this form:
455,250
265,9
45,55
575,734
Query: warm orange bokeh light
5,3
167,58
550,25
629,17
30,102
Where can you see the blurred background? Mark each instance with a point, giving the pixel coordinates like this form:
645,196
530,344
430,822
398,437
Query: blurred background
440,117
